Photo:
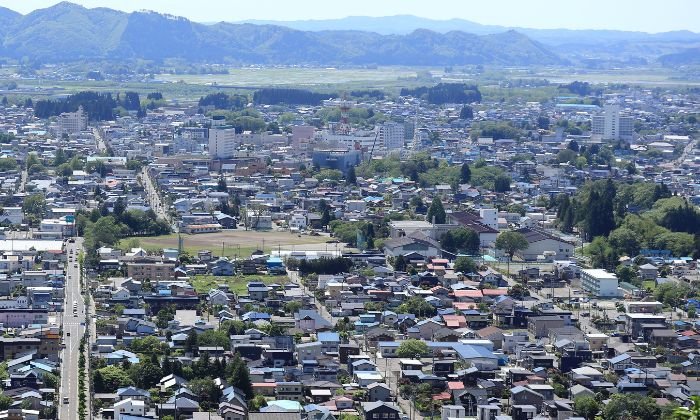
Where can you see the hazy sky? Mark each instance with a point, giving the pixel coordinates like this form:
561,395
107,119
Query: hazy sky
640,15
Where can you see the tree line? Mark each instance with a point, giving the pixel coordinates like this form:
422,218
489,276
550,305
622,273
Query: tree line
443,93
98,106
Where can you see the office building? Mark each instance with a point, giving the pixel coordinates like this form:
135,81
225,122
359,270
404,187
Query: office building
222,142
73,122
391,135
612,124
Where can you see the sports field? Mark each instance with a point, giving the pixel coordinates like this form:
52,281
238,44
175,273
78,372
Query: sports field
240,242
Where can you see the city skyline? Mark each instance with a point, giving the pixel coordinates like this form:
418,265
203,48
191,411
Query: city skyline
628,15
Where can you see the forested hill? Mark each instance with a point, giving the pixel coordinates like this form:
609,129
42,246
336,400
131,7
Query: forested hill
69,32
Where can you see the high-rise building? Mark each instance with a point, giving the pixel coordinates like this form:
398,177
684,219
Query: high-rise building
73,122
222,142
612,124
391,135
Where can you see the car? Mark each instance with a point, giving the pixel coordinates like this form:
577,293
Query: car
75,315
67,333
65,400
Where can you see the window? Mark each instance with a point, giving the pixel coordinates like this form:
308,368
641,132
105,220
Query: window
375,415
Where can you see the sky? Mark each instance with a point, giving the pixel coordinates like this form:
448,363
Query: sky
632,15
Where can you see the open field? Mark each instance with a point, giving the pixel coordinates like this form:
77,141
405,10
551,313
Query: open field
236,284
238,243
302,76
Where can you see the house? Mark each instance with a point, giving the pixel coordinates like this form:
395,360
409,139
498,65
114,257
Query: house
648,271
128,408
217,297
379,410
521,395
292,391
425,329
309,320
416,242
222,267
539,326
309,351
330,341
378,391
541,243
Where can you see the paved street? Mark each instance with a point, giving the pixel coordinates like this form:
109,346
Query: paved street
101,144
72,332
153,196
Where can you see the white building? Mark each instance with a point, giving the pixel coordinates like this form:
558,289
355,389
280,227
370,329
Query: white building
222,142
612,124
129,407
392,135
73,122
297,221
599,282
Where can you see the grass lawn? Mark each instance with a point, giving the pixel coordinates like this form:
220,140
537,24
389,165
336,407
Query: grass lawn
649,284
237,284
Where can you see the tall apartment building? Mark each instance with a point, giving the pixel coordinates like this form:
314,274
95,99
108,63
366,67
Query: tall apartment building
222,142
612,124
73,122
391,135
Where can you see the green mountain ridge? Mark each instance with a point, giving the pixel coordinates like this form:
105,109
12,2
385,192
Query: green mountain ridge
69,32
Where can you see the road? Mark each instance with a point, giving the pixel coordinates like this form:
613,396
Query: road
72,332
101,143
152,195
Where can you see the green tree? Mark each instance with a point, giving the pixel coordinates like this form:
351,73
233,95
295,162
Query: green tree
207,391
511,242
8,164
400,263
191,342
417,306
34,205
240,376
145,374
626,274
351,178
629,406
465,265
292,307
465,173
436,212
502,184
257,403
586,407
213,338
50,380
114,377
148,345
5,402
625,241
412,349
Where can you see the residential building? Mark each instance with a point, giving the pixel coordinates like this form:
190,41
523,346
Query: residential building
599,282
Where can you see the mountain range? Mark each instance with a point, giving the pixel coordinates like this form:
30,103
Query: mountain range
568,43
69,32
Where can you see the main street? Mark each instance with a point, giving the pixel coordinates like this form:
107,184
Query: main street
153,196
73,329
